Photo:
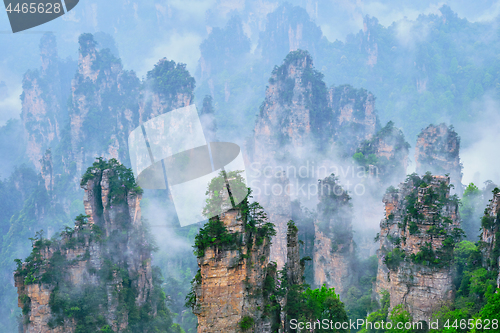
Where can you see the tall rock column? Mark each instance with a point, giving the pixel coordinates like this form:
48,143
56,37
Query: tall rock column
228,288
437,151
417,238
490,235
333,244
41,102
99,273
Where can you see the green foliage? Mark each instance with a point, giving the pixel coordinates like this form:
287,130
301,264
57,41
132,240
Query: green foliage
413,228
487,222
358,301
86,42
246,323
220,184
394,258
315,304
490,312
380,315
447,316
400,316
121,179
170,79
215,234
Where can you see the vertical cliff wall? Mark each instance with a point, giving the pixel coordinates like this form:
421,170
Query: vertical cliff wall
99,274
333,244
490,235
288,28
231,281
233,287
385,154
355,117
417,237
302,122
42,112
104,106
437,151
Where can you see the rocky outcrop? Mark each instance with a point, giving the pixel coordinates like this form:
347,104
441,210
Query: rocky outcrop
356,117
490,235
280,212
385,154
104,106
285,116
99,273
300,115
289,28
223,49
229,283
170,87
437,151
417,237
369,40
41,99
233,287
333,244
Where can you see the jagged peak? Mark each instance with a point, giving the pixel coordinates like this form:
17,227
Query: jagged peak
87,44
299,58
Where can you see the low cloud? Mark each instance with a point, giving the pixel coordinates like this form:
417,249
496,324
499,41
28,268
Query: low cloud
180,47
481,153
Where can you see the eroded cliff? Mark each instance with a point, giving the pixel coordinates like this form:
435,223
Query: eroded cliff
98,275
417,238
437,151
236,279
490,235
333,244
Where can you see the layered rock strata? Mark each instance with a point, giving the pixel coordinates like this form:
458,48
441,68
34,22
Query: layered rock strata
333,244
99,273
417,237
232,289
437,150
490,235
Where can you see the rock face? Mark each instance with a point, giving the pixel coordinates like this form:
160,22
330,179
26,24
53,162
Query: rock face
41,102
104,106
229,283
299,110
333,243
289,28
437,151
99,274
417,237
385,154
232,289
357,119
298,113
369,39
171,88
490,235
223,48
